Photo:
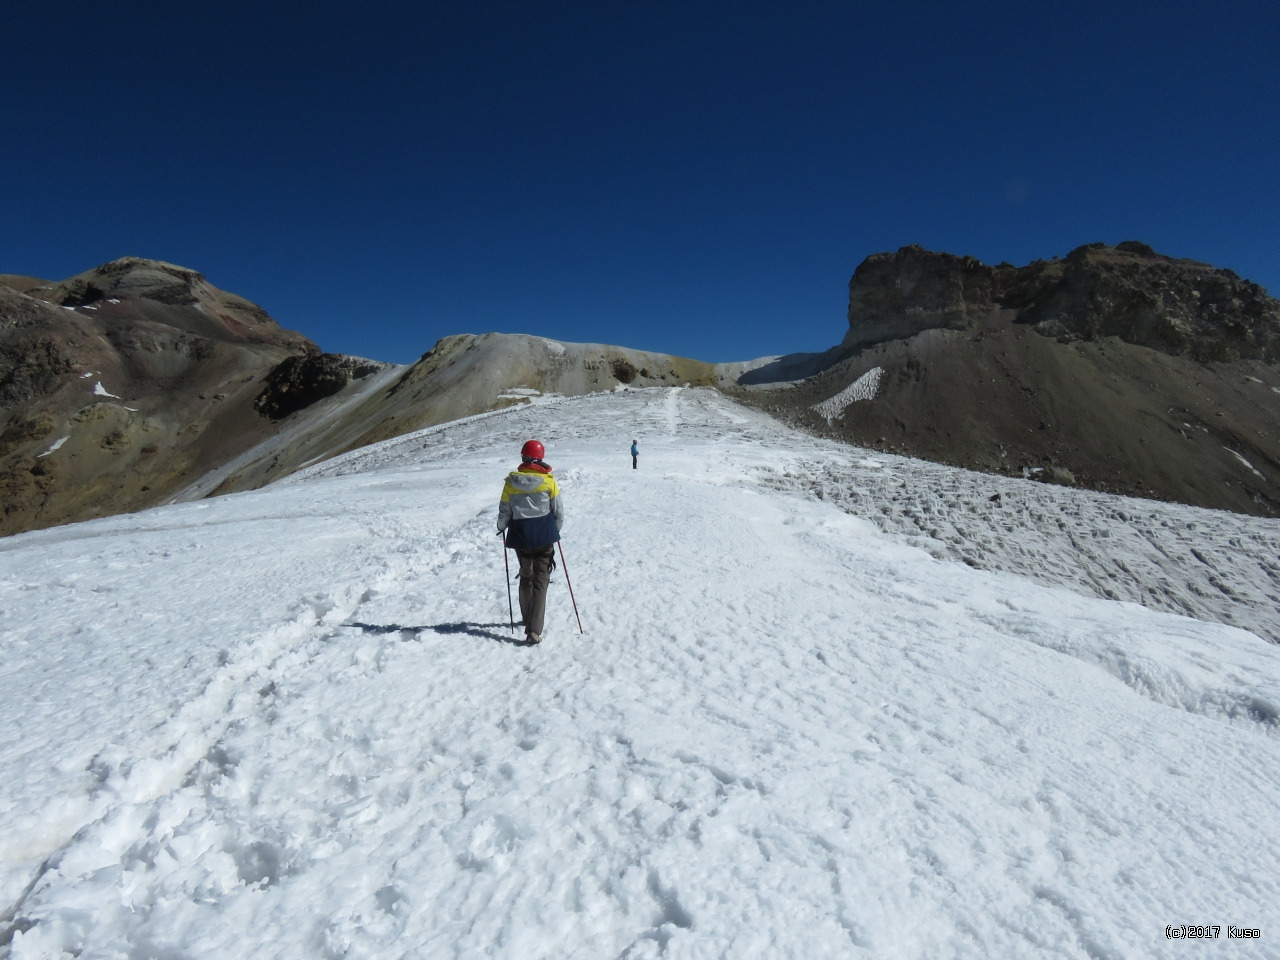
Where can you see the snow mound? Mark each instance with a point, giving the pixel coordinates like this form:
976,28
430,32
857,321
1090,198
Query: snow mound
1169,668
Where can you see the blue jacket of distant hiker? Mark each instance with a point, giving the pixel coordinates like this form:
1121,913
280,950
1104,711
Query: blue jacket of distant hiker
530,510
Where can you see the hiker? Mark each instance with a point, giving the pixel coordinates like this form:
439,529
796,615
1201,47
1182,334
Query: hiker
530,517
635,453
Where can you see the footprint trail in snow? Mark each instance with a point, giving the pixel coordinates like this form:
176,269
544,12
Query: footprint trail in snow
293,723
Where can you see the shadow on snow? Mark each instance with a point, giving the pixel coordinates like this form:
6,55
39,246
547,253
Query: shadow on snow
484,630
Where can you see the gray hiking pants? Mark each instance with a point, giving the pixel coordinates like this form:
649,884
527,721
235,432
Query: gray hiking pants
535,574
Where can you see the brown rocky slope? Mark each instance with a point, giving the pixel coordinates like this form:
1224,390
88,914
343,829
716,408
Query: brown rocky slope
121,385
138,383
1115,368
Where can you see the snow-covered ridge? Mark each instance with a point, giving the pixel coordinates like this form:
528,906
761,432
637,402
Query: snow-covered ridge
290,722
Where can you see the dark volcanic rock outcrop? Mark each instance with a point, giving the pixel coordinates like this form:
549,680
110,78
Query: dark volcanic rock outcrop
1180,307
123,384
174,296
299,382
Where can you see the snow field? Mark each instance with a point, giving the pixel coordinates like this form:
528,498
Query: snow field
292,723
1207,564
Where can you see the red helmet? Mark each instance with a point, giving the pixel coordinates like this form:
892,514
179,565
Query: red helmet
532,450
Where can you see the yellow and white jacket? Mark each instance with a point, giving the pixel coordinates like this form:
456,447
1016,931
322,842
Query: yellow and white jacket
530,510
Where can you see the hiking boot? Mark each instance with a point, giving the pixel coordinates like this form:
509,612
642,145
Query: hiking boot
532,638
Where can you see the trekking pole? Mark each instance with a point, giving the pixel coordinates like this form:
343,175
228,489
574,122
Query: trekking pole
570,583
506,565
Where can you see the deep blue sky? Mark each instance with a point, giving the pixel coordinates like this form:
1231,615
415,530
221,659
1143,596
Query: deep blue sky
696,177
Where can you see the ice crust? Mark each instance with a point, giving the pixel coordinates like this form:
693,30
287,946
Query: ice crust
291,723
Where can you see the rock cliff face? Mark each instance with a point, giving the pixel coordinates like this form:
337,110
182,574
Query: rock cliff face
1179,307
893,296
1116,369
122,384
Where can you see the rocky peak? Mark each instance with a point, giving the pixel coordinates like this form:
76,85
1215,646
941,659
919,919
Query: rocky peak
1180,307
893,296
135,289
124,383
129,277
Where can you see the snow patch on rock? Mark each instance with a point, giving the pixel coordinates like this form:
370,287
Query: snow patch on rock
57,444
864,388
1240,456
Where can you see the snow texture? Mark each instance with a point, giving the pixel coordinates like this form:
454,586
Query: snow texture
555,346
292,723
1207,564
864,388
100,391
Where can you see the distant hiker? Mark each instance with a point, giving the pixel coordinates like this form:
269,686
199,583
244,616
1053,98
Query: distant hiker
635,454
530,515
